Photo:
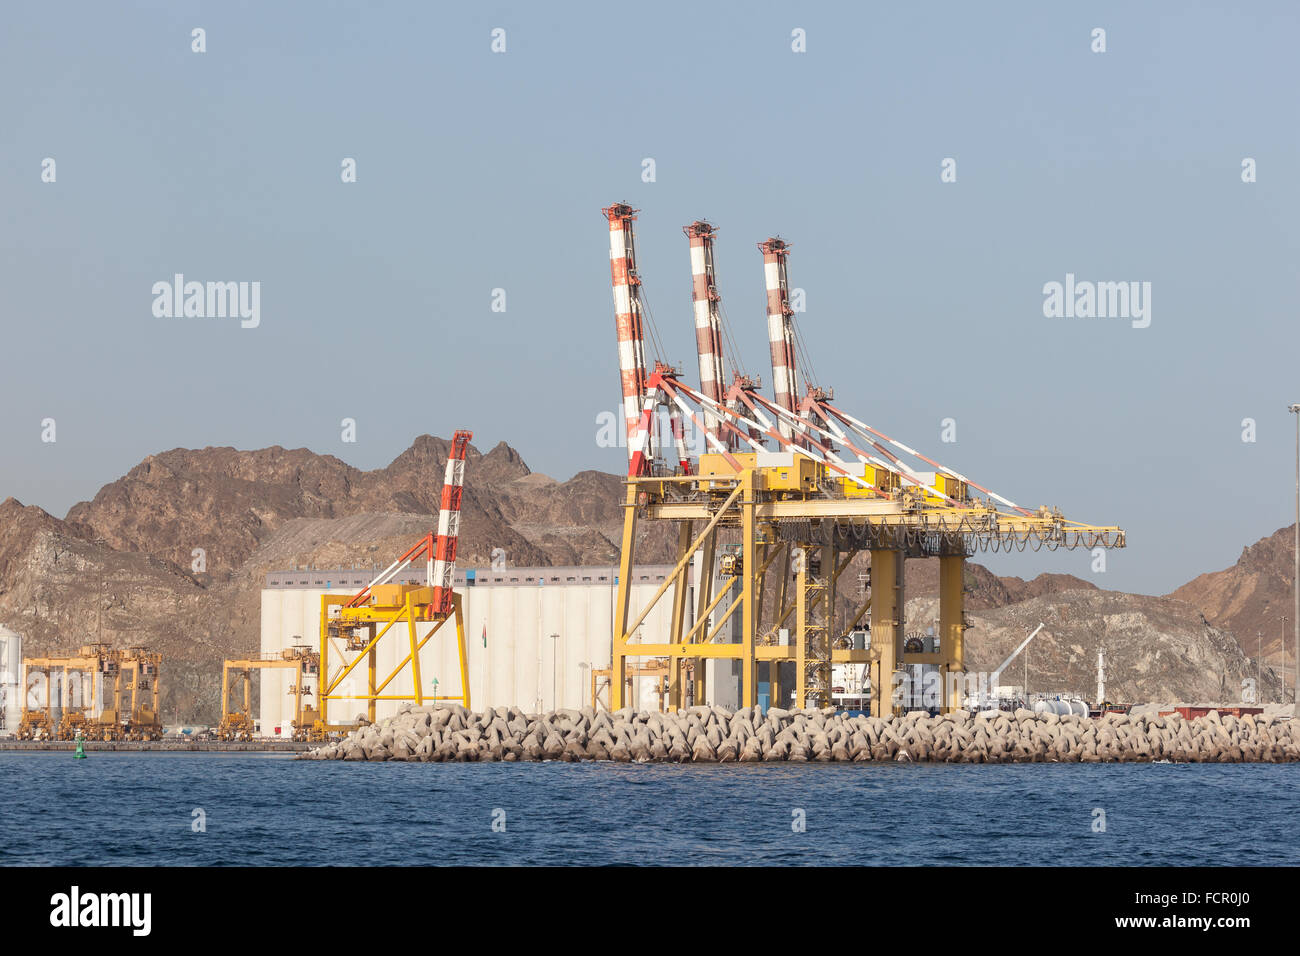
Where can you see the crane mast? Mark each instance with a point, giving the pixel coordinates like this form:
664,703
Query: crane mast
708,324
629,318
442,563
780,329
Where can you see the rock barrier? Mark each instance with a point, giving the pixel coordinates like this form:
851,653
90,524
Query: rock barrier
748,735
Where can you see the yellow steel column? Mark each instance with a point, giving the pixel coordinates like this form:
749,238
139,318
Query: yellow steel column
679,594
370,703
618,663
886,625
749,570
248,690
773,683
801,630
704,597
951,627
464,661
415,652
322,680
830,569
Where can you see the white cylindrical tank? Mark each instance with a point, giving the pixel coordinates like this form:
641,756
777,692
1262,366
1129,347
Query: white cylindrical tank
1058,707
1078,707
11,674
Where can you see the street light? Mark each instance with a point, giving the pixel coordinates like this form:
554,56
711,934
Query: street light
1295,409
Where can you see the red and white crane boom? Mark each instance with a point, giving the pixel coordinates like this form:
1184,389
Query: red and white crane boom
708,323
780,328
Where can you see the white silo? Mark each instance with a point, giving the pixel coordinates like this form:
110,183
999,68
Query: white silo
11,672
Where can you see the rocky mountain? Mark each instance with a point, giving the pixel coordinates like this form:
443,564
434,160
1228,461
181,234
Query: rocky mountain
1254,598
1157,649
173,555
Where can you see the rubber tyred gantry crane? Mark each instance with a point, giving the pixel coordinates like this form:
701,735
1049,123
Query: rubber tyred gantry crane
789,492
353,626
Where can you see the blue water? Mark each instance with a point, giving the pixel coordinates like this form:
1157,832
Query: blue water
116,809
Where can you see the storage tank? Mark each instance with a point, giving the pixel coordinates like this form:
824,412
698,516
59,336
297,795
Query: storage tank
11,674
1078,707
1058,707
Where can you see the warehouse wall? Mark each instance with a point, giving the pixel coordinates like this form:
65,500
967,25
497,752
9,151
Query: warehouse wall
11,671
521,665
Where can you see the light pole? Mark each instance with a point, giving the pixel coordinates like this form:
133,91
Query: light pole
1295,409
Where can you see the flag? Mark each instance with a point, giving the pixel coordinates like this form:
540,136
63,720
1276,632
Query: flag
485,635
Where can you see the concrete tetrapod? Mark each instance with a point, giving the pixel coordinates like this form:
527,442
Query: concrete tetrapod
718,735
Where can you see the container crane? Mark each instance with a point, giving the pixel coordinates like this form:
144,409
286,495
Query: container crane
796,507
355,625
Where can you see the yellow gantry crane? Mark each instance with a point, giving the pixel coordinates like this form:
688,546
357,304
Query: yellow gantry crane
98,669
304,661
789,493
354,625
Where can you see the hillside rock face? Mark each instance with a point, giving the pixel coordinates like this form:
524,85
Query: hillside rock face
984,589
1156,649
60,591
1254,598
123,567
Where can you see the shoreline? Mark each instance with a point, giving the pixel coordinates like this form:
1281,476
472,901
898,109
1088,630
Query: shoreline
158,746
718,735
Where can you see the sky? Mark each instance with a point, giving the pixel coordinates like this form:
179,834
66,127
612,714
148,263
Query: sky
479,170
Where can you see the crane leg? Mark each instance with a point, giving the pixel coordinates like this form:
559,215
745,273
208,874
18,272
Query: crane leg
951,628
886,627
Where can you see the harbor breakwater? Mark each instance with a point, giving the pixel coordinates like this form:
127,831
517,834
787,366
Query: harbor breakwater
718,735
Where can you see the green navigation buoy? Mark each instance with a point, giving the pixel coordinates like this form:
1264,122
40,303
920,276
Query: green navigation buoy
81,748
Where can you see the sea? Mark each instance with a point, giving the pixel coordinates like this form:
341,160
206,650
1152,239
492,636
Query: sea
214,809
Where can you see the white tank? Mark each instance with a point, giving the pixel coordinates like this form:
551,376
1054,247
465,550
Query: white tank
1078,707
11,674
1059,707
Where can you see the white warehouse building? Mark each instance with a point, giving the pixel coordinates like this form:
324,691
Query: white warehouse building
533,636
11,669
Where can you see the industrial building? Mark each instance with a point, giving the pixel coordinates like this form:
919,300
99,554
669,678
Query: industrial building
11,668
534,637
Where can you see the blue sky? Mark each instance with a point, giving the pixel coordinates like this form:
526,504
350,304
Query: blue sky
479,171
